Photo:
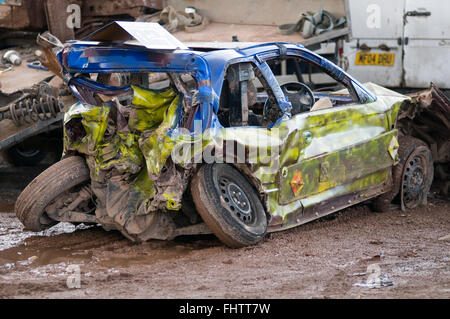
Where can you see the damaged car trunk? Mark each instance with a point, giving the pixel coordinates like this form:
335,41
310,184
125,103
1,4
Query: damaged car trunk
127,149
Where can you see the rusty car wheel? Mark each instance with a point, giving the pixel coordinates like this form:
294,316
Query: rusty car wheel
416,178
229,205
412,176
44,189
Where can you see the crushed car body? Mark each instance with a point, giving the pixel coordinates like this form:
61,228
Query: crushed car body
197,141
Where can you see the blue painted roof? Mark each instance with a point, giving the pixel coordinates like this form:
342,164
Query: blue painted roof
210,65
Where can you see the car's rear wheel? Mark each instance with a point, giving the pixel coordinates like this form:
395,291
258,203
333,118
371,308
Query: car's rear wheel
412,176
229,205
44,189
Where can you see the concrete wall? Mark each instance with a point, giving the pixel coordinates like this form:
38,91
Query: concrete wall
270,12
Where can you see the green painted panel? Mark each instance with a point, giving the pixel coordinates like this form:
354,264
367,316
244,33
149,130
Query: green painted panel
341,167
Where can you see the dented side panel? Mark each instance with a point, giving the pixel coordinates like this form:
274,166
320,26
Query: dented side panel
336,168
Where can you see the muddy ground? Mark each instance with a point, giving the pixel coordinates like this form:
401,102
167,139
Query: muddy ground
329,258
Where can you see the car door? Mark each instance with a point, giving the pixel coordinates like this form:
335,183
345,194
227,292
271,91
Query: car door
339,146
335,151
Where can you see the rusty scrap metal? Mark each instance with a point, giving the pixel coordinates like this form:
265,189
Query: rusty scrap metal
23,14
70,213
57,15
427,117
38,14
133,8
29,109
94,14
436,103
48,42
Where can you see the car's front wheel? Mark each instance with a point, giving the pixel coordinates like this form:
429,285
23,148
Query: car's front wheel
229,205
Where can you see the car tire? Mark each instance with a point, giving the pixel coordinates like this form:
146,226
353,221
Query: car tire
21,157
54,181
412,176
229,205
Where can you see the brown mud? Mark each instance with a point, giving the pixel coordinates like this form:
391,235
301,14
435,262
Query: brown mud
322,259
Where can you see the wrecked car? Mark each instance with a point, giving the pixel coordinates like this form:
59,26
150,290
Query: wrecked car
164,143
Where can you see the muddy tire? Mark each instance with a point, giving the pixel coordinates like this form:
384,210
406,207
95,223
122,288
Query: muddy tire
57,179
229,205
412,176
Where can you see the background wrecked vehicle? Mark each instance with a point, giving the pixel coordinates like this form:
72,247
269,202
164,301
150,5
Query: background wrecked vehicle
141,103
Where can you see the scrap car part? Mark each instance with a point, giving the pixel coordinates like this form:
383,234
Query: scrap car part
22,14
12,57
29,109
66,207
48,43
427,118
238,77
132,8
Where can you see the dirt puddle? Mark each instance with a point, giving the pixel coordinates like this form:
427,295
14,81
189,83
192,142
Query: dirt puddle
86,245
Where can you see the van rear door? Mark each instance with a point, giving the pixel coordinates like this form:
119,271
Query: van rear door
375,52
427,43
399,43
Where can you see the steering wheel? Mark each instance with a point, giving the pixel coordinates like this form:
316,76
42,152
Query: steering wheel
300,96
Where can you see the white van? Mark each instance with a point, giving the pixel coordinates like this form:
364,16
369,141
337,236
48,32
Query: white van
399,43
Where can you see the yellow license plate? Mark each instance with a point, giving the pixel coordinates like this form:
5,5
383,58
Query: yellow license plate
366,58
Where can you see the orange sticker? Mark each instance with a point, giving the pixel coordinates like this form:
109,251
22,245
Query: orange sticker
297,183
